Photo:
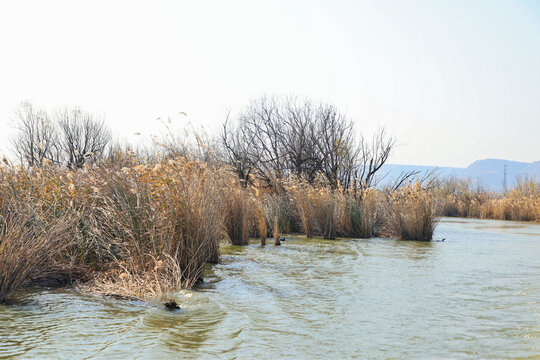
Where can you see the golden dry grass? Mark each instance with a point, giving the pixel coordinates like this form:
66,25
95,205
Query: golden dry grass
32,239
411,213
237,204
119,218
460,199
140,230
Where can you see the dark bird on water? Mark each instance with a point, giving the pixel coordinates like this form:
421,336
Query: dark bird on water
171,305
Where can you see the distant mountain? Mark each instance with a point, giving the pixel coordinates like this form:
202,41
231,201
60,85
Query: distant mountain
488,172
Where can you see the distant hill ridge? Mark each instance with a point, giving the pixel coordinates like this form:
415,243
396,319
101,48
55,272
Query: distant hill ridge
488,172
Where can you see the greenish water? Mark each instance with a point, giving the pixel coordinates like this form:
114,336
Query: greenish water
476,295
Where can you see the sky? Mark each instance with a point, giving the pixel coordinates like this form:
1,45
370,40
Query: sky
453,81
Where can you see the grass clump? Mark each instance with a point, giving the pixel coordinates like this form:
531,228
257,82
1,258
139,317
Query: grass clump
237,205
411,213
33,239
154,225
363,214
28,251
319,207
459,198
139,230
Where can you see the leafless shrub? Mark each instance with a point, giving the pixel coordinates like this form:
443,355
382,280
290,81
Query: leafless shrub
72,137
84,137
36,138
275,138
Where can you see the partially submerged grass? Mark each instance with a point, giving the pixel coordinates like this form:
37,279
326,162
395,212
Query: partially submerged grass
236,205
31,241
328,212
363,214
320,207
117,221
125,281
411,213
142,230
280,213
460,198
27,252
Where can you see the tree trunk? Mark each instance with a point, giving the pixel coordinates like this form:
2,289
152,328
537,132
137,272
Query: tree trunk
276,232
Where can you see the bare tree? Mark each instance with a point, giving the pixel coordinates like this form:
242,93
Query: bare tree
428,179
238,151
254,145
280,137
372,157
36,138
84,137
301,137
260,124
273,138
338,148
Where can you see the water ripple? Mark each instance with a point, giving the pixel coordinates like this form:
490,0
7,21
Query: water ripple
475,295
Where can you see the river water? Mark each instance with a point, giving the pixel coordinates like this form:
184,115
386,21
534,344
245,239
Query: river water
475,295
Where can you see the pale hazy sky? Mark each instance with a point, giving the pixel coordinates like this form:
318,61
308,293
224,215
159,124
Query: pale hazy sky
454,81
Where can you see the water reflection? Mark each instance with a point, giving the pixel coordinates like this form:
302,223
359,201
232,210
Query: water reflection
416,250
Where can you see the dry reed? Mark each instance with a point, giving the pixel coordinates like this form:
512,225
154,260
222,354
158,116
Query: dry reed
140,230
126,218
460,198
411,213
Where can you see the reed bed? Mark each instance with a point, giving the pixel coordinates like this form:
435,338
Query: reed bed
32,238
154,225
459,198
280,213
411,213
118,224
319,207
139,230
237,205
364,214
28,251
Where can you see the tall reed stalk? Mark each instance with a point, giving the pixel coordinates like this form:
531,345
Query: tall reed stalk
412,213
